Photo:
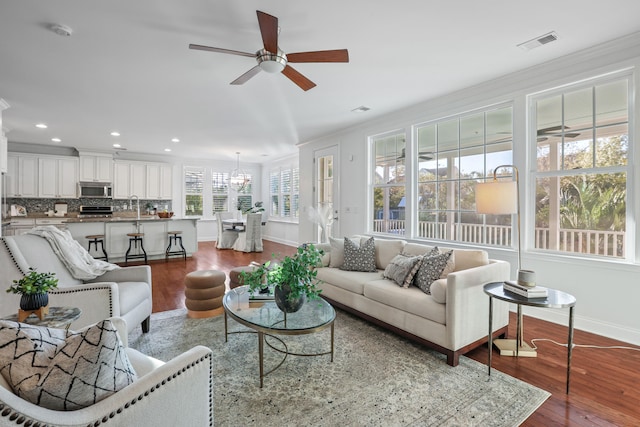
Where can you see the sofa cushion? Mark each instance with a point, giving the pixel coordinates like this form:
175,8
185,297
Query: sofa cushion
410,300
359,258
413,249
61,371
386,249
337,252
470,258
431,268
352,281
402,269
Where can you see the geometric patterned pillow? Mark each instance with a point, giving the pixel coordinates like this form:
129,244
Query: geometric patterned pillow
402,269
430,270
361,258
61,371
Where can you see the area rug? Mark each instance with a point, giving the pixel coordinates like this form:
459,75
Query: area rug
376,378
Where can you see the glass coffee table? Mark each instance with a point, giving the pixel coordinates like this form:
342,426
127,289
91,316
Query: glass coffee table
267,320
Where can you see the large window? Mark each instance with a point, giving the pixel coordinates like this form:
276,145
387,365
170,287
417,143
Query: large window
581,155
220,191
389,178
193,190
284,184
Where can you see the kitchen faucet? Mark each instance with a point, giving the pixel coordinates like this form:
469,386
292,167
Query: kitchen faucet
137,203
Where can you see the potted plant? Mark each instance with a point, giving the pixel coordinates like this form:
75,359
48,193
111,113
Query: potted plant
34,288
256,208
293,279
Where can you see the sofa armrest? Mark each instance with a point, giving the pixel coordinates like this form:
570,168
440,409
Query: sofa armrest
467,312
138,273
180,392
97,301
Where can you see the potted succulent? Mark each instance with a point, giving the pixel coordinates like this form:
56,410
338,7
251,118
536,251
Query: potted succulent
34,288
293,279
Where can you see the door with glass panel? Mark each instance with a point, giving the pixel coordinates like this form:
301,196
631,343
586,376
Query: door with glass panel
325,212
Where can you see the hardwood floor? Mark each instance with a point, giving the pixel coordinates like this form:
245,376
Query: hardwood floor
605,383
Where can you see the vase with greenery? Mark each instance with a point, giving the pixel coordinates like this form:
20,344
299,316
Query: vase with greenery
293,279
256,208
34,288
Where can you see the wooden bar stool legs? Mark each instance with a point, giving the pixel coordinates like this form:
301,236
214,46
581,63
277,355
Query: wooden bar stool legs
135,239
175,239
94,239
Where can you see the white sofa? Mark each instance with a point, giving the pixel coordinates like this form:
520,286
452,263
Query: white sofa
176,393
125,292
452,320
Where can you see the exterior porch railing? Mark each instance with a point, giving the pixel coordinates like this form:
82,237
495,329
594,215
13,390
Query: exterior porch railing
593,242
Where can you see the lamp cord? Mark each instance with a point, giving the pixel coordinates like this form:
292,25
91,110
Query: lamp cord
612,347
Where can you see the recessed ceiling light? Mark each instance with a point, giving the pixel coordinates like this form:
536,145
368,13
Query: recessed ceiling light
175,140
167,149
56,139
41,126
117,145
114,133
360,109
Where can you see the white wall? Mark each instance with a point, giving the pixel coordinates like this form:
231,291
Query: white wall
607,292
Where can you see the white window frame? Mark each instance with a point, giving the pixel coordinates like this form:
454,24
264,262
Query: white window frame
292,192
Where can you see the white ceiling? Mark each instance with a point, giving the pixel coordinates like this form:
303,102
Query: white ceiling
127,66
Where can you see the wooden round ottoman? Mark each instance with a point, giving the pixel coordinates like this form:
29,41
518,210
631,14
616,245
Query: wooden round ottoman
204,292
235,279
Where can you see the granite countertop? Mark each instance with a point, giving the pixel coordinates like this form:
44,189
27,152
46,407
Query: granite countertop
117,217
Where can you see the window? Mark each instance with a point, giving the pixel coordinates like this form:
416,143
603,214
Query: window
284,187
244,202
220,191
389,201
194,184
581,155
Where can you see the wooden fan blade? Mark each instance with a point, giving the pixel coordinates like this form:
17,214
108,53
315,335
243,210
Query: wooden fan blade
220,50
246,76
293,75
269,30
338,55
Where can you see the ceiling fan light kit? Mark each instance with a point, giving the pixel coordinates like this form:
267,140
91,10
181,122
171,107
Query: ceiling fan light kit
273,60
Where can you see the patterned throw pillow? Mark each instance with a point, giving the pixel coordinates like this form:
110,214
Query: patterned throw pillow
61,371
359,258
430,269
402,269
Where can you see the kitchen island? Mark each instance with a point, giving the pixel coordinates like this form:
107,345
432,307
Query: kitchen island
116,228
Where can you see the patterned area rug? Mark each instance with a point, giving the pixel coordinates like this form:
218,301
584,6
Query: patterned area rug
376,378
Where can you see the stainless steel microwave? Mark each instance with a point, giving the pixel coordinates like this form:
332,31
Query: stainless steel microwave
95,190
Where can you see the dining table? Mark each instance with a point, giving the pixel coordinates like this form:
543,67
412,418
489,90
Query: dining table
235,224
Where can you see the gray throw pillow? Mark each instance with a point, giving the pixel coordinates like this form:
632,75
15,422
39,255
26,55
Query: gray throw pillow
430,269
361,258
63,372
402,269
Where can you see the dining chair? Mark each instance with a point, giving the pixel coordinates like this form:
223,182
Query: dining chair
250,240
226,238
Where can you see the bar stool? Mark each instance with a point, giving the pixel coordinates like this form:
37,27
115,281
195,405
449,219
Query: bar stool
134,240
175,239
94,239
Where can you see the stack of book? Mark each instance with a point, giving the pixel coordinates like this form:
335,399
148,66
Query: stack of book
525,291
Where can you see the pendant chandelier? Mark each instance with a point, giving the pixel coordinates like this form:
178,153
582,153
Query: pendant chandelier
239,179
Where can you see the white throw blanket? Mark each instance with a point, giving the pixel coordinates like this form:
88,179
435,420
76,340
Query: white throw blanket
78,261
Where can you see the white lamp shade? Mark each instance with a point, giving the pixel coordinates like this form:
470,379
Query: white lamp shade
497,197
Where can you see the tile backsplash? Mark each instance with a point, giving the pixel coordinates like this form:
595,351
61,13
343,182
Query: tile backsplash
35,206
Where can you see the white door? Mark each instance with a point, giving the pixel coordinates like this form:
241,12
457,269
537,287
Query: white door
326,193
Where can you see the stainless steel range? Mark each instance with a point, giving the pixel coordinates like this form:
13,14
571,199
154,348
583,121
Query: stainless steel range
95,212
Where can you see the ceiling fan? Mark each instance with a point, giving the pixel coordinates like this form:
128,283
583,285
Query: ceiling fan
273,60
557,131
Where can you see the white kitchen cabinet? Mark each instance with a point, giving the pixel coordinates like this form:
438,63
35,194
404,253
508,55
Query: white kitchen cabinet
58,177
159,181
96,168
3,139
129,178
22,176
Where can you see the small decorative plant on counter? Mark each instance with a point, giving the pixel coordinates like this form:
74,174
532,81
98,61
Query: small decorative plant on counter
293,279
34,288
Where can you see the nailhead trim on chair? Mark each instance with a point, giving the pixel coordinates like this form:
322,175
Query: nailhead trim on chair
12,257
19,418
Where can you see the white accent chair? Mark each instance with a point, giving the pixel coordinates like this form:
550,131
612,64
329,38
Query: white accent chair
176,393
250,240
226,238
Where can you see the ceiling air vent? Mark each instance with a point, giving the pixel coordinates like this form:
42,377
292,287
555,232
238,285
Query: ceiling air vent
539,41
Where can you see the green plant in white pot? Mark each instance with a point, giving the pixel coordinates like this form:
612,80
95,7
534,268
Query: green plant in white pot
293,279
34,288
